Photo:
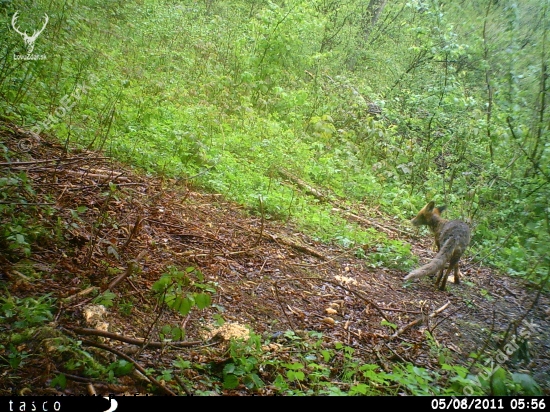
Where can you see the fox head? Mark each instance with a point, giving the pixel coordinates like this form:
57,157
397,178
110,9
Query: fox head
426,215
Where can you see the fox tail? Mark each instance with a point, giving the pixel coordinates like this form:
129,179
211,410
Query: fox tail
437,263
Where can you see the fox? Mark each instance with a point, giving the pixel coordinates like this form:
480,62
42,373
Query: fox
452,237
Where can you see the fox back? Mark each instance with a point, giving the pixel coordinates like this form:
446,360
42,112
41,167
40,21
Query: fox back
452,237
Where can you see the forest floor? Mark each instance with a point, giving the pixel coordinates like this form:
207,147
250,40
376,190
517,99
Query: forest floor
270,278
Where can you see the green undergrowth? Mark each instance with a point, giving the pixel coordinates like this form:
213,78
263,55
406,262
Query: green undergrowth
224,95
193,109
289,363
234,97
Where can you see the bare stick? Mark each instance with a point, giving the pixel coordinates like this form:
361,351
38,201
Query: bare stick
132,341
129,359
419,320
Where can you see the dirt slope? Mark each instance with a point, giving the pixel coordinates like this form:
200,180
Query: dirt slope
270,276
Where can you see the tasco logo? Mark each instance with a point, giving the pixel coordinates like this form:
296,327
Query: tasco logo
29,40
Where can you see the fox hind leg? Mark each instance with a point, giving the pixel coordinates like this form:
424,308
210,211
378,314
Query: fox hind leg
444,278
439,277
457,274
453,266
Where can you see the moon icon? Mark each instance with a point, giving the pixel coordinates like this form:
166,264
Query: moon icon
114,404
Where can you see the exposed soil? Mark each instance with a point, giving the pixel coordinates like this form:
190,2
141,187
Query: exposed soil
270,277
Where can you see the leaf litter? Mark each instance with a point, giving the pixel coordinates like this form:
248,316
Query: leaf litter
117,230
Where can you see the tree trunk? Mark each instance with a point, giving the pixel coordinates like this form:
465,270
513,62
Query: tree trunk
374,11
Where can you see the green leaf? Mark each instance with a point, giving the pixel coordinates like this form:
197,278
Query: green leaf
280,383
122,367
105,299
166,330
360,389
294,366
230,382
178,333
498,383
252,381
202,300
161,284
527,383
326,355
386,323
296,375
181,364
60,380
199,275
229,368
183,306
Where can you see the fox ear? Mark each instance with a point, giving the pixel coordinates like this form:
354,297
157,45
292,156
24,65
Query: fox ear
442,208
430,206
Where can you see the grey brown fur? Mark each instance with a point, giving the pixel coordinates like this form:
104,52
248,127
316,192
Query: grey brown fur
452,237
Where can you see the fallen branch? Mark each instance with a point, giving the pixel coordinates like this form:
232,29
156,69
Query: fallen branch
361,296
173,226
77,378
26,204
33,162
82,187
356,293
419,320
297,246
281,304
370,222
183,385
347,213
132,341
129,359
285,241
133,232
133,267
326,262
302,185
81,293
85,173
